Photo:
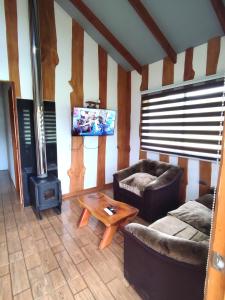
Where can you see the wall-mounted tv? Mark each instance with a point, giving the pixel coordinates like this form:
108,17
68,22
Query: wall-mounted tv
93,122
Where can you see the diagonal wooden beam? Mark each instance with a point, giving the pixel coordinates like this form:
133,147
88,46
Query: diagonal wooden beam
219,9
88,14
154,29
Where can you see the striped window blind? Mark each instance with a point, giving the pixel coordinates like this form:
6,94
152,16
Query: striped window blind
186,120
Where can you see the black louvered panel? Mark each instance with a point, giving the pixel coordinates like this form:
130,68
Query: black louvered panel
27,141
50,134
26,133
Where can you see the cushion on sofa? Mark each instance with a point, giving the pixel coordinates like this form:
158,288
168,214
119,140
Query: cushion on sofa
136,183
180,249
194,214
175,227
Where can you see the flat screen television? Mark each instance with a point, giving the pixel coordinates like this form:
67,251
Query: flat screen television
93,122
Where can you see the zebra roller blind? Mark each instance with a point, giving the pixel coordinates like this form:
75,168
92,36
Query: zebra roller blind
186,120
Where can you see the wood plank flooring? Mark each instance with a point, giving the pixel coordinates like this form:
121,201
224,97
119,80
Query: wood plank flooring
53,259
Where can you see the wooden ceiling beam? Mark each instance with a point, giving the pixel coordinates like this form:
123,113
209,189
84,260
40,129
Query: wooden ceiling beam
154,29
219,9
94,20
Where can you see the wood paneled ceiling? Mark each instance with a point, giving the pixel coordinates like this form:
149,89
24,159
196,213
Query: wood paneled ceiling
140,32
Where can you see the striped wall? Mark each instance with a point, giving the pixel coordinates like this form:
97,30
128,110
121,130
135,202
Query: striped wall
191,64
77,67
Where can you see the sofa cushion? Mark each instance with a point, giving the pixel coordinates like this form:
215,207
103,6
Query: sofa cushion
136,183
175,227
194,214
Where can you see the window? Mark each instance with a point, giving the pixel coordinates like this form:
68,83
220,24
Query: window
186,120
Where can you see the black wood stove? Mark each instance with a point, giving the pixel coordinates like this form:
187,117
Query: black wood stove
45,190
45,193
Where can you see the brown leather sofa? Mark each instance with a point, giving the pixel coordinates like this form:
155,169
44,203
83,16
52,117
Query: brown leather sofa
150,186
167,260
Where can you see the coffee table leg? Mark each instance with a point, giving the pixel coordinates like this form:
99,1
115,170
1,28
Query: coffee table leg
108,236
84,218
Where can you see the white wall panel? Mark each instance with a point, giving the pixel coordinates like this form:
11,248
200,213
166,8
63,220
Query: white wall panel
153,155
155,75
221,62
173,160
192,191
135,117
179,68
62,95
10,154
4,70
111,153
199,61
91,92
24,50
3,139
214,174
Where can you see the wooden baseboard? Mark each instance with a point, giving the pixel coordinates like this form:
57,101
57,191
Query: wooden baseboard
87,191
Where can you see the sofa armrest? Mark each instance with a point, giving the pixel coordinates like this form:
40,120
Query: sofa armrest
166,179
124,173
191,252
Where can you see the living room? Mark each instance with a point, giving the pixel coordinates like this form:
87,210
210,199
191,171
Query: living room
132,68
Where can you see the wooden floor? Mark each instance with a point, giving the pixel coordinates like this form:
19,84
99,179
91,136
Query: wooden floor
53,259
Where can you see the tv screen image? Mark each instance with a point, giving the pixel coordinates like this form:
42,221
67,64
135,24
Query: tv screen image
93,122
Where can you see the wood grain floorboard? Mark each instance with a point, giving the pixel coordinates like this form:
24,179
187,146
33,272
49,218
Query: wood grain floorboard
52,259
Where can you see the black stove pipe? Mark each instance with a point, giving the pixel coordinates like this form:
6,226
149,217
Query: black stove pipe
37,89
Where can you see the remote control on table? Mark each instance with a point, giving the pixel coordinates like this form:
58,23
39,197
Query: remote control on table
108,211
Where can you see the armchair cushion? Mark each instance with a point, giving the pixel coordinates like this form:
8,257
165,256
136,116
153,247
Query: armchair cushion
194,214
136,183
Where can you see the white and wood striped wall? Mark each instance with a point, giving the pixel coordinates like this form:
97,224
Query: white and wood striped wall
197,63
90,162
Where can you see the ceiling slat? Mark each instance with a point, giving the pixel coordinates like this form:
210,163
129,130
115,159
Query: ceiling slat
93,19
154,29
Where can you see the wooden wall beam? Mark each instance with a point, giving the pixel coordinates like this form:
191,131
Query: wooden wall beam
12,43
213,53
124,110
220,12
102,65
154,29
77,170
167,78
96,22
189,74
48,41
143,87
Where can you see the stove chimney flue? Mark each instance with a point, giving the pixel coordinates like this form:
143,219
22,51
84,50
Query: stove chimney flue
37,89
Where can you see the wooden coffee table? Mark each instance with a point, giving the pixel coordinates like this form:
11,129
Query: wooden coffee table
94,205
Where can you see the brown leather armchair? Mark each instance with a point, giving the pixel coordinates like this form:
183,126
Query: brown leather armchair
150,186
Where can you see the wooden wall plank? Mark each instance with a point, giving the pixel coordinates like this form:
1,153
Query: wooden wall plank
48,41
12,43
168,71
143,87
103,64
77,170
213,51
167,78
189,74
124,110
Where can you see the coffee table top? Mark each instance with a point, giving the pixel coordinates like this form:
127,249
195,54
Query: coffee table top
96,202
